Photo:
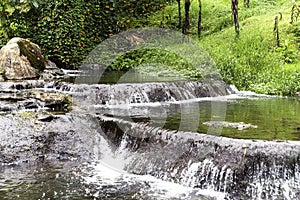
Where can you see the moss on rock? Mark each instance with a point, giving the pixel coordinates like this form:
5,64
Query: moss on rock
21,59
55,101
33,54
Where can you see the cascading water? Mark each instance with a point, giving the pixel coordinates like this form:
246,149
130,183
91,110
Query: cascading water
146,140
216,164
126,93
125,148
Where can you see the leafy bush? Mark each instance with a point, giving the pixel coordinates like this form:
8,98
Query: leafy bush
67,30
149,61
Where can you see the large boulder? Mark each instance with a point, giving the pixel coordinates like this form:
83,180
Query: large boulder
21,59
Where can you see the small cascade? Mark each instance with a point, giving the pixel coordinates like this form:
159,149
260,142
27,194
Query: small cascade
210,162
89,97
125,93
31,95
207,175
275,181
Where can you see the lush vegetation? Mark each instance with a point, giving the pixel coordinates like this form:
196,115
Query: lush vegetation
255,60
67,30
158,61
252,60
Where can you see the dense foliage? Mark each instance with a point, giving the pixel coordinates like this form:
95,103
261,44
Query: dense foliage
256,60
156,62
67,30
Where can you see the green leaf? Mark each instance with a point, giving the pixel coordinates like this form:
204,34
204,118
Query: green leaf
35,4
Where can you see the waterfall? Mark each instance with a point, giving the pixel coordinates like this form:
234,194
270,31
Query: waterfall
91,97
207,175
213,163
130,93
238,168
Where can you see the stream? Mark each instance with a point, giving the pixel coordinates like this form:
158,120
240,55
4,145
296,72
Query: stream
173,140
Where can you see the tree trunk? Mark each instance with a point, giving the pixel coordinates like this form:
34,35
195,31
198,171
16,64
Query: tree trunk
186,26
179,14
276,31
199,18
235,15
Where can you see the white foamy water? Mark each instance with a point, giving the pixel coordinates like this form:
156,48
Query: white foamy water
108,173
155,188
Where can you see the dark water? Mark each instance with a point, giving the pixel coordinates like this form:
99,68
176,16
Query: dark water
55,181
74,181
42,181
275,118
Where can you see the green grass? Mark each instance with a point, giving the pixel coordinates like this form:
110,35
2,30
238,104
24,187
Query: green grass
251,61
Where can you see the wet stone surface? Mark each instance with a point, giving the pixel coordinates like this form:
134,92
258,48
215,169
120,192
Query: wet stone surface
32,137
49,138
31,96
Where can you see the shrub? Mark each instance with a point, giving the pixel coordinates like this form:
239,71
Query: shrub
67,30
148,61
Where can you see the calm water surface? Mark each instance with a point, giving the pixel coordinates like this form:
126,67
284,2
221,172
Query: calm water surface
275,118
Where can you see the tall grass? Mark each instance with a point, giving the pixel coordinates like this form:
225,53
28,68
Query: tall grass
251,61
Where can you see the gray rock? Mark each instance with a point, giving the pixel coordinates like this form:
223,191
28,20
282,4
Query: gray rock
52,72
30,96
21,59
28,137
237,125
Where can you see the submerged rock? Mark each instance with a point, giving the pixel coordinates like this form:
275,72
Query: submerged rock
237,125
56,101
21,59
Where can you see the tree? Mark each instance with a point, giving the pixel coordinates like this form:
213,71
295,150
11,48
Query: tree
3,12
179,14
276,29
12,14
186,26
199,18
235,15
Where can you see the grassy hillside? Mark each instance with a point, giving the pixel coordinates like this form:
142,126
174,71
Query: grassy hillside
251,61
